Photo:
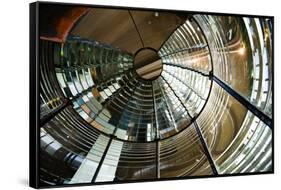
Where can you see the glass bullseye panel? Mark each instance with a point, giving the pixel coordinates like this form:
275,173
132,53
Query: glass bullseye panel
236,138
51,97
187,48
242,51
182,155
111,115
115,97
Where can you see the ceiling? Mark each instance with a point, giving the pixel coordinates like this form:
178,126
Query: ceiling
128,30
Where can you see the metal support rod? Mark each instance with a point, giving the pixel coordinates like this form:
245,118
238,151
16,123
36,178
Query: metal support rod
46,118
187,68
157,159
205,148
111,137
157,132
262,116
155,112
199,133
102,158
67,102
136,28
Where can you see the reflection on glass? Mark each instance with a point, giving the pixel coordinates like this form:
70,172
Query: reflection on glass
101,122
242,53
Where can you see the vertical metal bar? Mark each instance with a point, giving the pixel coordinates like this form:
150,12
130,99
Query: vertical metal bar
267,120
157,159
111,137
199,133
205,148
155,112
103,157
157,132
